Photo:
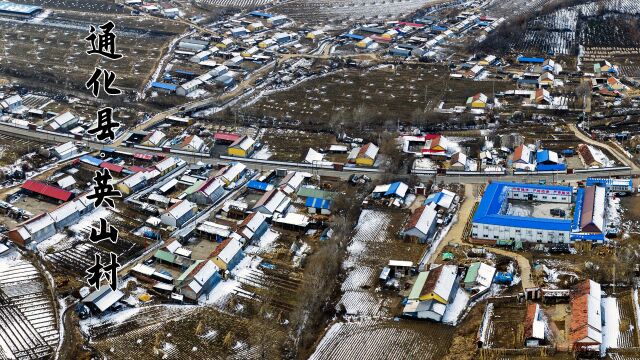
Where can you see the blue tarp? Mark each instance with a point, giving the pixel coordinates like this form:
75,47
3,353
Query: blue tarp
258,185
163,86
553,167
318,203
524,59
260,14
567,152
91,160
575,226
393,189
352,36
543,155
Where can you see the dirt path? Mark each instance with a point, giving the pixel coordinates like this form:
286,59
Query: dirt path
523,264
457,229
455,235
622,158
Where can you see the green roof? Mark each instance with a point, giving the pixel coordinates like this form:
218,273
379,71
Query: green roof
447,256
418,285
193,188
472,273
306,191
165,256
188,271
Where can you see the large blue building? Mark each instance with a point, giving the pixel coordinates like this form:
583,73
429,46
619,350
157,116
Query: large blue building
493,221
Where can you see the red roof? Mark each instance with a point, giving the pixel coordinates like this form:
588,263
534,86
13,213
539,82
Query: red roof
47,190
411,24
112,167
137,169
143,156
226,136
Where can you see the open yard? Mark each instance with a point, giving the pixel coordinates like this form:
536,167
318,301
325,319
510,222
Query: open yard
377,96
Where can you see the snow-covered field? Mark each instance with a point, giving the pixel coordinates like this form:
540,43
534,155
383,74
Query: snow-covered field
27,320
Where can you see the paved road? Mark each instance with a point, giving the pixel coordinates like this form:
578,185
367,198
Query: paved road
622,158
345,174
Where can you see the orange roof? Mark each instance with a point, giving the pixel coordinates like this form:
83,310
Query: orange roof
415,217
529,319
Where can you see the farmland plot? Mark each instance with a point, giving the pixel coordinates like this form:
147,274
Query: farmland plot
384,340
242,4
28,328
332,10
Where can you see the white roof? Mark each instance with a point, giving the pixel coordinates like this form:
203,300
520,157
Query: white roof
342,148
180,209
252,226
446,280
206,272
212,187
599,207
276,199
196,142
159,198
246,143
39,224
135,179
65,148
195,286
183,252
313,156
426,219
446,199
156,137
381,188
485,274
168,185
229,251
538,325
173,246
63,118
293,183
64,211
144,269
372,151
211,227
167,163
104,298
66,181
400,263
293,219
234,171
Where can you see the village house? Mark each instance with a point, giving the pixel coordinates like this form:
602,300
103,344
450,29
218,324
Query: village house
179,213
231,173
585,331
243,147
253,226
534,326
542,97
209,192
458,161
200,280
479,277
65,151
477,101
228,254
292,182
213,231
63,121
422,224
154,139
587,157
365,155
432,291
272,202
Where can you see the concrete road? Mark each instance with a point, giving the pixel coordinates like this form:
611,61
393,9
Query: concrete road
345,174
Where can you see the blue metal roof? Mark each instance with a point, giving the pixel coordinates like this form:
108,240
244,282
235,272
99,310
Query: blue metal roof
552,167
438,28
10,7
353,36
608,182
434,198
542,156
258,185
488,211
260,14
577,211
164,86
91,160
318,203
393,188
184,72
530,59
